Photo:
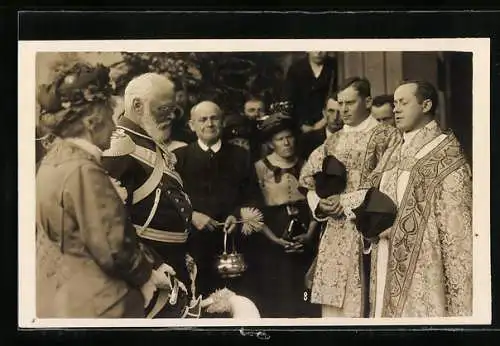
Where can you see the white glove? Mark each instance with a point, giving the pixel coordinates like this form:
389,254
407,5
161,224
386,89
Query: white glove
182,287
161,277
148,290
166,268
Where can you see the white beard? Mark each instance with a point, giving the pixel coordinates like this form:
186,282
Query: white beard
151,127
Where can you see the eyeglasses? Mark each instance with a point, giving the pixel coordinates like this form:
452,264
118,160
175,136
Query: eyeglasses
171,110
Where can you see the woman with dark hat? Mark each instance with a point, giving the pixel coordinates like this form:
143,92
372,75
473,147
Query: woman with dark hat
282,259
89,263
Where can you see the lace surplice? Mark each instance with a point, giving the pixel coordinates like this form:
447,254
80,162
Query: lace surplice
337,279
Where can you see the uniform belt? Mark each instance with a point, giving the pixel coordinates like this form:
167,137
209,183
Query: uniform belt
160,235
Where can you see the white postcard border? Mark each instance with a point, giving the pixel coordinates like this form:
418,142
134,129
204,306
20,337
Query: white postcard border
481,169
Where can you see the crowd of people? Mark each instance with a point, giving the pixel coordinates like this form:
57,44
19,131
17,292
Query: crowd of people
366,203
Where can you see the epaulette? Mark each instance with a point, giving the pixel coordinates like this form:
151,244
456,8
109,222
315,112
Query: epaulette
121,144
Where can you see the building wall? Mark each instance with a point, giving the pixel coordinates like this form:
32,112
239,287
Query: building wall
385,70
449,72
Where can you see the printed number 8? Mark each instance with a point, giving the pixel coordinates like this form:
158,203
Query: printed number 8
305,295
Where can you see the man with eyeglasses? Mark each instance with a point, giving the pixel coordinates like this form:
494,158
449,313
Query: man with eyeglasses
142,164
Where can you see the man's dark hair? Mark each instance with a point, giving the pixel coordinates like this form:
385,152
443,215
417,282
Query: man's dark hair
331,96
247,97
381,100
361,85
425,91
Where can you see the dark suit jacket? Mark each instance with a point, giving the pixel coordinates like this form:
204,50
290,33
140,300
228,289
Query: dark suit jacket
310,141
308,93
217,187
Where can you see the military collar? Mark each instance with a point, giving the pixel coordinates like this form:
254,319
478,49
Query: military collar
130,126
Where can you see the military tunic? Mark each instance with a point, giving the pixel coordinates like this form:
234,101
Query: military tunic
163,217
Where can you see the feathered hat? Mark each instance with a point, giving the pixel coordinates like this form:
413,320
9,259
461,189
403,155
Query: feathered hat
62,101
276,123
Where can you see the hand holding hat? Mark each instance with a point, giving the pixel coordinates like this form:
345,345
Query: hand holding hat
332,178
371,210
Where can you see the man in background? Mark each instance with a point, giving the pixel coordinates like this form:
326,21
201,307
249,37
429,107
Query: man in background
218,177
307,84
242,128
383,109
254,107
313,139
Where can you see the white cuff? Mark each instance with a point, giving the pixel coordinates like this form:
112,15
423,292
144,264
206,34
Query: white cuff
313,201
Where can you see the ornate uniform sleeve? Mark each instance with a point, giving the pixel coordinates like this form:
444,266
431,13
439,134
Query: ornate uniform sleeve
105,229
307,184
453,205
116,160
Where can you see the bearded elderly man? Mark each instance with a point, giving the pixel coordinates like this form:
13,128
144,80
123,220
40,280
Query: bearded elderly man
141,162
422,265
219,180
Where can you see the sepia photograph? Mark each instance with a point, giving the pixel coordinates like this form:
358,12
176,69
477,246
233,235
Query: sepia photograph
258,182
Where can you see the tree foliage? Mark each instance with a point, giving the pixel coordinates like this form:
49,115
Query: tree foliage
224,77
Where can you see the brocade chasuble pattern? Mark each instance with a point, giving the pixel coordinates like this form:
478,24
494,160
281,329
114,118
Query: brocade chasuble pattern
428,269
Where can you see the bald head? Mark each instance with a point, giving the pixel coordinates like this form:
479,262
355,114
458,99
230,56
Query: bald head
206,122
205,107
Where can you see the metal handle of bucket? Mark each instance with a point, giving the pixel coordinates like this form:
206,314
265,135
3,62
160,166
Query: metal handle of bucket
225,243
233,244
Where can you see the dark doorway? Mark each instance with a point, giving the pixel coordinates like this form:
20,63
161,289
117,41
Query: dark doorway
459,105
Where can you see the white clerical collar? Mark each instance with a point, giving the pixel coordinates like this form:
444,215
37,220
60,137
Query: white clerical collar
408,136
215,148
367,124
87,146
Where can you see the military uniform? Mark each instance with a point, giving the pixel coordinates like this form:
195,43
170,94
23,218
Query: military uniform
158,206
